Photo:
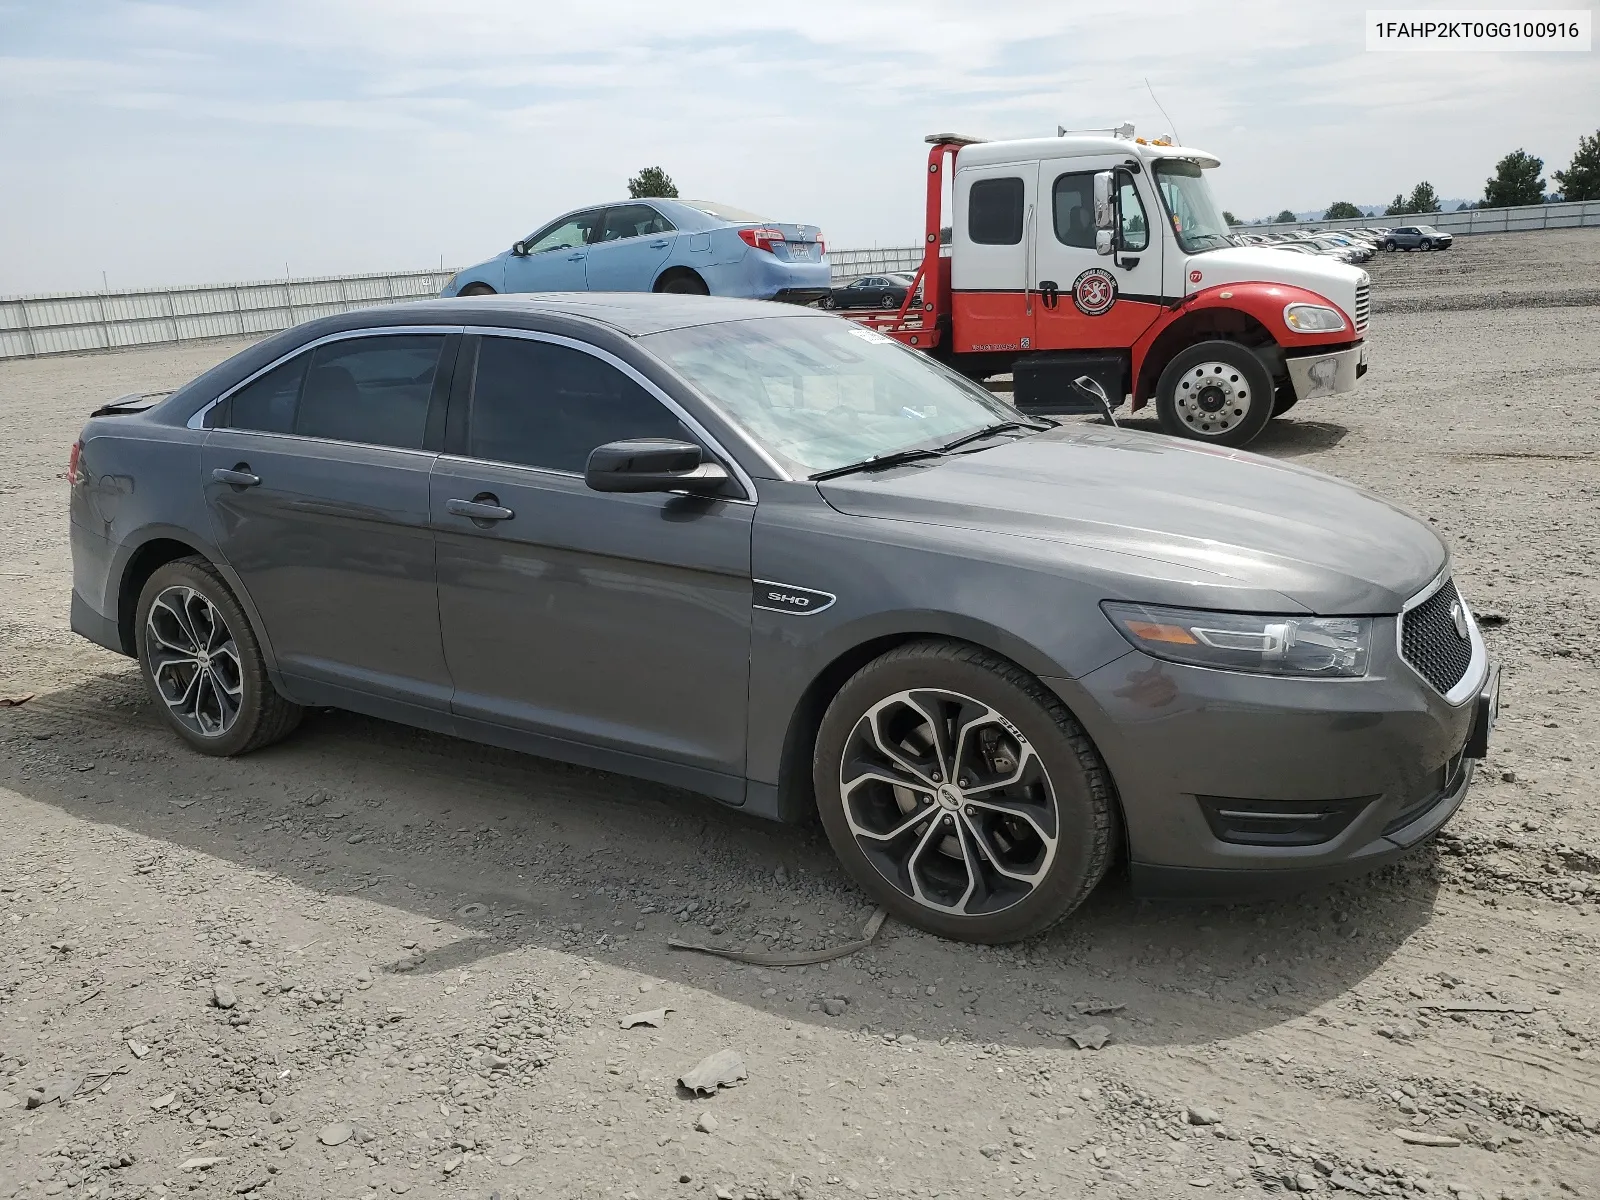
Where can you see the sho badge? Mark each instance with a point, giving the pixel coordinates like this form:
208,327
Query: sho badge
1094,292
787,598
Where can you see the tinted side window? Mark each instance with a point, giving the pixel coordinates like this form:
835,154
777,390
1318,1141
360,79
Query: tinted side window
268,403
633,220
1072,205
373,390
541,405
994,212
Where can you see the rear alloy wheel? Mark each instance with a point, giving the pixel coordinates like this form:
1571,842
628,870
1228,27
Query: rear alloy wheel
962,794
1216,392
202,665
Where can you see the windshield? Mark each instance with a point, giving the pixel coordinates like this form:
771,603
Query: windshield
822,393
1195,218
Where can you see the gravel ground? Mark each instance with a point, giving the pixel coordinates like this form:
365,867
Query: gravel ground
371,961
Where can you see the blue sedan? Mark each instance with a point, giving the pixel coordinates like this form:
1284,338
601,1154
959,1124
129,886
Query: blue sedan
684,246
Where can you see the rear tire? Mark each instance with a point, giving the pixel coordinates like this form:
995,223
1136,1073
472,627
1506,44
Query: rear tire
1215,392
477,289
684,284
1020,840
202,664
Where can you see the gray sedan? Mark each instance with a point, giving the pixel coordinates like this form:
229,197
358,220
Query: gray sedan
777,558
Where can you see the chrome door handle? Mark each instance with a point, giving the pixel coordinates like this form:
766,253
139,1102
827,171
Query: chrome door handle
477,510
239,477
662,245
574,258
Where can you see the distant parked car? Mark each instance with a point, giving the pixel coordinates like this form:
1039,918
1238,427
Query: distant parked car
870,291
685,246
1416,237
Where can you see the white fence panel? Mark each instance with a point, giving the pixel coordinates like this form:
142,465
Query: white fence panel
1565,215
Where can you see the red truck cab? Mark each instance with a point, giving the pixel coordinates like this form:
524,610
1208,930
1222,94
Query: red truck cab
1104,255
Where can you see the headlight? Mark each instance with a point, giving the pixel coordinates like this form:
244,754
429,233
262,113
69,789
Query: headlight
1312,318
1264,645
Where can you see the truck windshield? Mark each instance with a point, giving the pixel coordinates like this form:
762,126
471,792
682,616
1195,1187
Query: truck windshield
820,393
1190,207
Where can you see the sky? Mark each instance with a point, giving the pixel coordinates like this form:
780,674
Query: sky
196,142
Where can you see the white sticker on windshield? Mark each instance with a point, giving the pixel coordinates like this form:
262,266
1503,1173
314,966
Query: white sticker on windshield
871,335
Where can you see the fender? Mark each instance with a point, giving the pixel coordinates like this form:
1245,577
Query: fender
1261,303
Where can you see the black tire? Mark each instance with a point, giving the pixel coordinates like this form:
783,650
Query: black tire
1390,246
1075,794
1221,373
829,302
1425,244
1284,397
260,716
685,284
889,301
477,289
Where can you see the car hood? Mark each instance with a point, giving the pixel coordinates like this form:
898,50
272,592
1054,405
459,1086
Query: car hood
1225,517
1318,273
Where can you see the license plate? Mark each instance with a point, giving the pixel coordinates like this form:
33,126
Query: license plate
799,251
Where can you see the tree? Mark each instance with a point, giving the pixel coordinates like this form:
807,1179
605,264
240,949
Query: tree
1342,210
1581,179
652,181
1285,215
1423,199
1516,180
1230,218
1397,207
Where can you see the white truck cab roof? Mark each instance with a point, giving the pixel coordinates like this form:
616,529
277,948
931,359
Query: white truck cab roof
1073,145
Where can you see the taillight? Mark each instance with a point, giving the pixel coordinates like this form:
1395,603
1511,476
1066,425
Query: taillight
822,246
72,462
762,238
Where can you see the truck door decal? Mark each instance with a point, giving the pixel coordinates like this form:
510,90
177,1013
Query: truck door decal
1094,292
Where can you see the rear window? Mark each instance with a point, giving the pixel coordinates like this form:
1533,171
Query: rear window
994,212
267,404
725,212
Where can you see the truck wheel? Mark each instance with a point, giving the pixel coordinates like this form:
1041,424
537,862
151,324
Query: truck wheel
1284,398
961,793
1215,392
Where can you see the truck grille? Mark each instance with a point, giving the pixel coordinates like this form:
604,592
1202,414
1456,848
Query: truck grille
1431,642
1363,305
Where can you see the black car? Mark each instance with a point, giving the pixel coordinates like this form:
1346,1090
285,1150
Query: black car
1416,237
870,291
778,558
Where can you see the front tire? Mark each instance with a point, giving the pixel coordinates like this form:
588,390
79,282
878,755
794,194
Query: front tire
1216,392
1390,247
202,664
1425,244
961,794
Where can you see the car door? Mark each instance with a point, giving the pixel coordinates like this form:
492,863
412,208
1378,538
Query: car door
635,240
316,477
853,295
1085,300
613,623
553,260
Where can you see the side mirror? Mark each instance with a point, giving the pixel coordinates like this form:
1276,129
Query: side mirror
1104,241
652,465
519,250
1105,208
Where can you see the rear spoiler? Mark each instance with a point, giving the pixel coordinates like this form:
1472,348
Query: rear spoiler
133,402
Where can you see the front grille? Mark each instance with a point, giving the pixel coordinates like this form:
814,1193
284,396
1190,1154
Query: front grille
1430,641
1363,305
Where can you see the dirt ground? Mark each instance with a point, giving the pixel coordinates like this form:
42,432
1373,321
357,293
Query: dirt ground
370,961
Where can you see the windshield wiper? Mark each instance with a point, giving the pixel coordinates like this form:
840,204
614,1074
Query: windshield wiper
989,430
879,461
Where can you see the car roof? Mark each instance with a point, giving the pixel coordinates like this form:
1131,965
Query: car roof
634,314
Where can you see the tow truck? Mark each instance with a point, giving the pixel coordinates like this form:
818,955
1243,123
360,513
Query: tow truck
1096,269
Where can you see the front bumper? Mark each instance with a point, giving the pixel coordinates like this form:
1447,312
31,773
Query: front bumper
1314,374
1212,766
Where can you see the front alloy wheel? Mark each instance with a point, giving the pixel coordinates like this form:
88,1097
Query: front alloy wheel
962,794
